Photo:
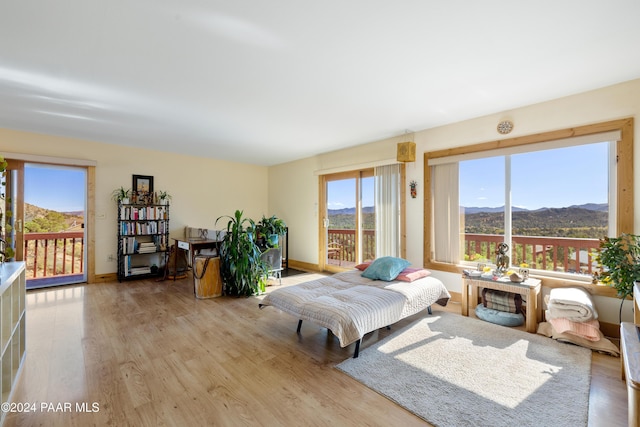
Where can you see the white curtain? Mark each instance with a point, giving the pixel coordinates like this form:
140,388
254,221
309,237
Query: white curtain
446,210
387,207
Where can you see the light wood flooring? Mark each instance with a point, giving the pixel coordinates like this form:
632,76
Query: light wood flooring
149,353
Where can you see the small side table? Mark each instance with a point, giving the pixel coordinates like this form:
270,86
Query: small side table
529,289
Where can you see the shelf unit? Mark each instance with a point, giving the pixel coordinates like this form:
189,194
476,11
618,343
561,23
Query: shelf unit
12,326
143,240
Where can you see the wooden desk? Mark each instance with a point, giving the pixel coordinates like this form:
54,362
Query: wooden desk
530,291
630,362
194,245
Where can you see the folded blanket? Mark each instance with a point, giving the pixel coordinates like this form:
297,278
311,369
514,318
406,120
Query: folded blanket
502,301
589,330
603,345
574,304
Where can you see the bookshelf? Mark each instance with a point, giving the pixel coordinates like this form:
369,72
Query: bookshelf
12,327
143,240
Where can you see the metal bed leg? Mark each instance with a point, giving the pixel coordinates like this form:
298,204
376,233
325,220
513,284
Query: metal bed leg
299,326
429,310
357,351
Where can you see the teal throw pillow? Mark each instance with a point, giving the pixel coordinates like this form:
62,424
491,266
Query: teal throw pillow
385,268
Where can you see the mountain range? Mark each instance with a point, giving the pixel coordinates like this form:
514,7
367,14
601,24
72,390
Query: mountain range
600,207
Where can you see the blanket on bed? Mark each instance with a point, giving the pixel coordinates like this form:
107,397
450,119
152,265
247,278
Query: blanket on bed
351,305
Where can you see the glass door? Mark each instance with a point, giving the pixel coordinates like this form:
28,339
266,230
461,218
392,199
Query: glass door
45,225
348,220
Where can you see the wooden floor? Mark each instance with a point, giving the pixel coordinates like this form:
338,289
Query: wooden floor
148,353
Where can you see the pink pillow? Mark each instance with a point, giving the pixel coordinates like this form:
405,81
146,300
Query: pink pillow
411,274
363,266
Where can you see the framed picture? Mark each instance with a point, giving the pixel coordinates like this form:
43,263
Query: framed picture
142,184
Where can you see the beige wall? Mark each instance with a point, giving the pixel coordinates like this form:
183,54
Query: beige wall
202,189
615,102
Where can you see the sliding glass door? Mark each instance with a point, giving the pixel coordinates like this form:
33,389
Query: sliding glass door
348,219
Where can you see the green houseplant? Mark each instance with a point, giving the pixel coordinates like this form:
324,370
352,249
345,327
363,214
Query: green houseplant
164,197
268,231
120,195
619,258
243,272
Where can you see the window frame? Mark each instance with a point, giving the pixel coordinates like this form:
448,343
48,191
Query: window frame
624,196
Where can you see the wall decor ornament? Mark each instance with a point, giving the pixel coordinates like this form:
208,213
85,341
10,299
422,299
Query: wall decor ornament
505,126
413,187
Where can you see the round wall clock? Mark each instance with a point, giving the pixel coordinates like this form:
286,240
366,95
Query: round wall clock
505,127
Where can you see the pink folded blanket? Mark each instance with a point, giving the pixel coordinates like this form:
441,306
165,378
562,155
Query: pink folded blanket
589,330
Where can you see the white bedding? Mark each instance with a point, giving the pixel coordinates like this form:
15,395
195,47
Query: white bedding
351,305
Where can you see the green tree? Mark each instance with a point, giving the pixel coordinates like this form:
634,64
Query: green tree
51,222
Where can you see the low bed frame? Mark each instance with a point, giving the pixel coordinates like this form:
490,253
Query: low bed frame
351,306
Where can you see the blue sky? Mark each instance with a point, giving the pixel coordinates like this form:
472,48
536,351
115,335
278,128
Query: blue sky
342,194
55,187
551,178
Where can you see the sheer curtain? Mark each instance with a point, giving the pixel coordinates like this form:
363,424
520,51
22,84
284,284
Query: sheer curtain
387,208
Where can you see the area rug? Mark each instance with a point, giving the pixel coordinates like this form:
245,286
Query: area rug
452,370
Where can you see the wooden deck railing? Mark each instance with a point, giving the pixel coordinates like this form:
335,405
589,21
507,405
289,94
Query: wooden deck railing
345,240
54,254
544,253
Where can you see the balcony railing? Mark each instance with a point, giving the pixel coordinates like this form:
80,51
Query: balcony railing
345,243
545,253
54,254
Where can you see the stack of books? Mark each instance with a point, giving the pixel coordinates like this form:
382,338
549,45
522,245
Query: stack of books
146,248
140,270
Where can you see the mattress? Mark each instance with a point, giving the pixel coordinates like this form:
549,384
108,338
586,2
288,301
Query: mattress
351,305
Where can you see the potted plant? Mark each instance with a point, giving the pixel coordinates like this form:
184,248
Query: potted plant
243,272
121,195
164,197
619,259
269,230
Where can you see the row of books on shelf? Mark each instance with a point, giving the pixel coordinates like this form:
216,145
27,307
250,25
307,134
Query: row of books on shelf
134,270
134,213
151,227
131,245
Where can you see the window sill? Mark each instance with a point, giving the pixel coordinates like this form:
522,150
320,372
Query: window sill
547,282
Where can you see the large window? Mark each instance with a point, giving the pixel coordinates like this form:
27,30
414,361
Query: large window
550,198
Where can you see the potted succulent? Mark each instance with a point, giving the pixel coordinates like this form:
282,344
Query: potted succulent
121,195
619,260
269,230
242,270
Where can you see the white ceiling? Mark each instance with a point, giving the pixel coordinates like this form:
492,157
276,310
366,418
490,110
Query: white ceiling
267,82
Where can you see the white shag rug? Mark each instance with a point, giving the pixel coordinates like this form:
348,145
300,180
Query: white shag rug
452,370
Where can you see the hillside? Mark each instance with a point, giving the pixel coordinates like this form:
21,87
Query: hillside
41,220
575,222
588,221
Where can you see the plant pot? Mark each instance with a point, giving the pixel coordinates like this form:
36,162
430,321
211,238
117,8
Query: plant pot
273,240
